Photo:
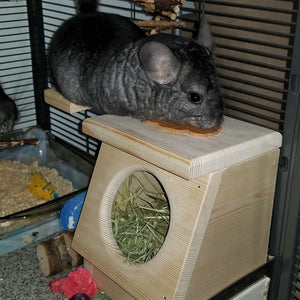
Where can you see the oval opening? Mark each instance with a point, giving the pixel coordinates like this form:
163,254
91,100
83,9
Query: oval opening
140,217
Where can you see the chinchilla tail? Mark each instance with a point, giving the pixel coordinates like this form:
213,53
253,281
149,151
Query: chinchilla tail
86,6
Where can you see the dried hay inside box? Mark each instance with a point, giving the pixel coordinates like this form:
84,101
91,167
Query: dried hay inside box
220,192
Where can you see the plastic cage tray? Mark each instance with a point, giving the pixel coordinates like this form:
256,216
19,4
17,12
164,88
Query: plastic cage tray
50,153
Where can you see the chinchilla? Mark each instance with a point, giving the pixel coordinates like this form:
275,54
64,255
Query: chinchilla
108,63
8,112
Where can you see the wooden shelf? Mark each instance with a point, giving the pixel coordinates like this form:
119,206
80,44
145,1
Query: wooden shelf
53,98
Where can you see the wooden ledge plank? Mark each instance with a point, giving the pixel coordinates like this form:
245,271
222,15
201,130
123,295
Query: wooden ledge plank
54,98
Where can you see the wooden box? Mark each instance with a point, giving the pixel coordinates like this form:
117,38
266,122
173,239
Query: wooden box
220,193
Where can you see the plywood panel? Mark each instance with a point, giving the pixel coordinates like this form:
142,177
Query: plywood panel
167,275
237,236
183,155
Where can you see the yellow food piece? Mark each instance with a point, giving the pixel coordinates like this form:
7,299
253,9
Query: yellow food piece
40,187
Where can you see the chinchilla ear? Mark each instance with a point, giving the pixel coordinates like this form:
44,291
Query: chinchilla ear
159,62
204,35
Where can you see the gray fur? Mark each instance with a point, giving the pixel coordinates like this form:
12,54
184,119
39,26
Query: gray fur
107,62
8,112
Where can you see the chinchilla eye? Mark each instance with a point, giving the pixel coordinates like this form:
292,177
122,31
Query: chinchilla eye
195,98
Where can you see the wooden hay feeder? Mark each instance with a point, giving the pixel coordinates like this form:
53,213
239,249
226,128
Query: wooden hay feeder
220,192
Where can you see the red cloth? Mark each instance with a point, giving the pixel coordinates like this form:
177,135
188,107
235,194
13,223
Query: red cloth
78,281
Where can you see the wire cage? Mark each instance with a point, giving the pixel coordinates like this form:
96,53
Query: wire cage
255,46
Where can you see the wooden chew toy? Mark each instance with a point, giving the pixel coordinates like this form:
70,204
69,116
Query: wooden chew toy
157,25
164,12
173,127
56,255
164,8
15,143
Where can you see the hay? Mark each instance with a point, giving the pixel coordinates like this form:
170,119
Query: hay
140,217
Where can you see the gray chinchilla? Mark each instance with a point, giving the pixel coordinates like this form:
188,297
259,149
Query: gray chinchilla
107,62
8,112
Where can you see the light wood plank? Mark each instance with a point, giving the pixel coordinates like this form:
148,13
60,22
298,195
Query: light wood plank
184,155
237,236
105,283
53,98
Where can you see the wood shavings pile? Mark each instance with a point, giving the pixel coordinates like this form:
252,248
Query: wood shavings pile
14,178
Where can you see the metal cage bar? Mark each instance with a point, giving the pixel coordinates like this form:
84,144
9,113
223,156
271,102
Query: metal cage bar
16,75
39,62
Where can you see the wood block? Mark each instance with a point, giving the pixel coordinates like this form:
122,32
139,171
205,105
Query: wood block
53,98
184,155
